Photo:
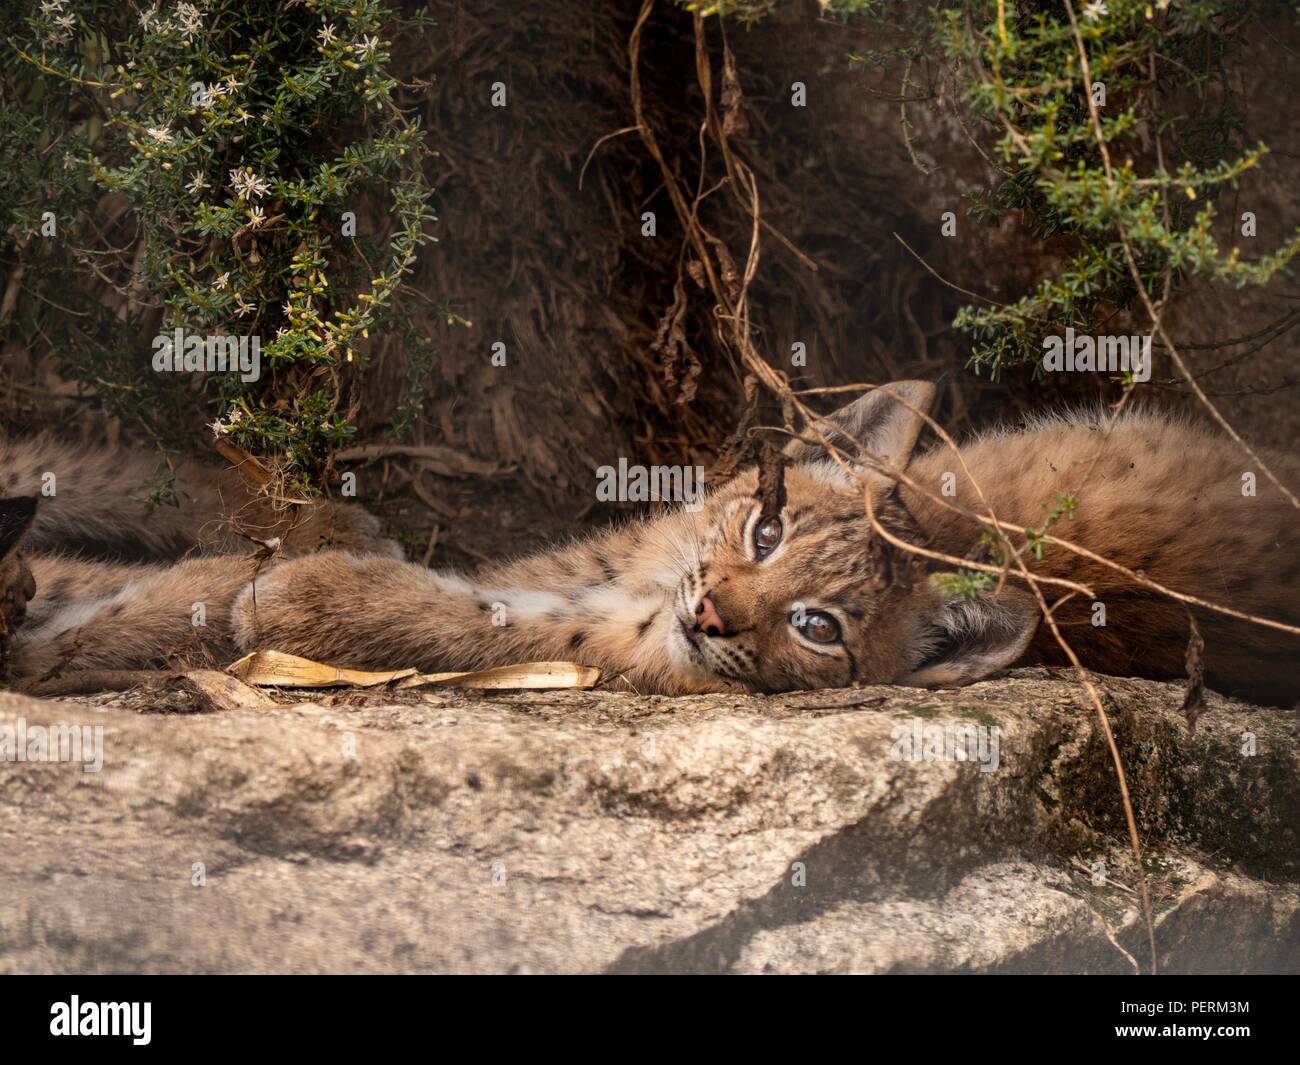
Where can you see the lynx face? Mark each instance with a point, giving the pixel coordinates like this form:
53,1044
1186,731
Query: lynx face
809,598
813,597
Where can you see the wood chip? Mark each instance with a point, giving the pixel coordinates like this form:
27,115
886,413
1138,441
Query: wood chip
220,691
188,691
437,458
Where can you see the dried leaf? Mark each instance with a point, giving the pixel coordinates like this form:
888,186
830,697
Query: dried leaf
734,121
530,675
1194,701
730,276
280,670
248,465
680,365
277,669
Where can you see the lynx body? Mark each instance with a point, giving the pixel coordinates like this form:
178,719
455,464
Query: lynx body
728,596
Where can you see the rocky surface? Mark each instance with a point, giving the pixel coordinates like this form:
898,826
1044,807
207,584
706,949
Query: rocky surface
566,832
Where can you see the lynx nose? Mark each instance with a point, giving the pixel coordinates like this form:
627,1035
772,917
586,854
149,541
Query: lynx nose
708,620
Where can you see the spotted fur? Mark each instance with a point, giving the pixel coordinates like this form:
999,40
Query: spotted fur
1154,494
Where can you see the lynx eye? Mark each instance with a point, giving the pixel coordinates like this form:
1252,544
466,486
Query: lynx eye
767,534
818,626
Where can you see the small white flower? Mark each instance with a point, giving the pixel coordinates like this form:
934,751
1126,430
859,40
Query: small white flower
221,427
162,134
366,47
326,35
220,283
66,22
1095,9
149,18
247,184
256,217
49,7
190,19
197,184
242,308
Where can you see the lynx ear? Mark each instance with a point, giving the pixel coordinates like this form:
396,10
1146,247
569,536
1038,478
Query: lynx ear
977,637
877,424
16,515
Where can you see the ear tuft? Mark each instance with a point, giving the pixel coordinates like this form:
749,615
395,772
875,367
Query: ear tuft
876,425
977,637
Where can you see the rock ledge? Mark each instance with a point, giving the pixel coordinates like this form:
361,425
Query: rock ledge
568,832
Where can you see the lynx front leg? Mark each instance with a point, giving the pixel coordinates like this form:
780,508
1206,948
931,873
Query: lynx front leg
376,613
379,614
96,616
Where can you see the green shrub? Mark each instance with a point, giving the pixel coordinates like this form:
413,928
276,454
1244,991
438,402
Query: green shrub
1170,123
1171,129
237,135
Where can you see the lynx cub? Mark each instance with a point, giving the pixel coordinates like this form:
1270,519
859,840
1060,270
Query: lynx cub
724,597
